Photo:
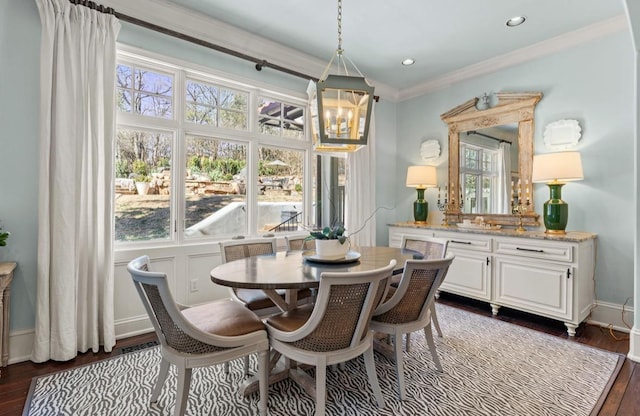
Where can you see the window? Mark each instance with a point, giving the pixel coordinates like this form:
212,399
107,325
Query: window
478,178
143,91
216,106
143,161
196,164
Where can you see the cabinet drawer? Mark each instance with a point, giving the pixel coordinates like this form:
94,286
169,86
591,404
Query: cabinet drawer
535,249
464,241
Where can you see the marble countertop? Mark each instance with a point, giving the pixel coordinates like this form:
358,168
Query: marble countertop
570,236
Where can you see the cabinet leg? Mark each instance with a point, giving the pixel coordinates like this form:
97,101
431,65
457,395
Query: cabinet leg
571,329
494,308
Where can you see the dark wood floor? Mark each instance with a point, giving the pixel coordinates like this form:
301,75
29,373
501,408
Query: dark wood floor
623,399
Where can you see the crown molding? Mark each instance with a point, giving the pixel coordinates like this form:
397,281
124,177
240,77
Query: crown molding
535,51
212,30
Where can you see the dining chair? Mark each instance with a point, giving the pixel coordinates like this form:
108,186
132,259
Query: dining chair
198,336
299,242
254,299
430,248
335,329
409,308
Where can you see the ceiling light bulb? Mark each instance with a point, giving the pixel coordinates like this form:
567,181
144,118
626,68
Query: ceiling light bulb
408,61
516,21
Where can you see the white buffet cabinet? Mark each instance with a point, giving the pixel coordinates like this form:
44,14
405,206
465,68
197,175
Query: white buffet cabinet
531,271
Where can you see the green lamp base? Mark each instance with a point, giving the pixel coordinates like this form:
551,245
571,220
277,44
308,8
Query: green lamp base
555,211
420,208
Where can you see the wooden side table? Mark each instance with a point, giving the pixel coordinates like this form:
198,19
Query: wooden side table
6,275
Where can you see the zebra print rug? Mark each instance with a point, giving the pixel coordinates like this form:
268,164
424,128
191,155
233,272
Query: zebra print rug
490,368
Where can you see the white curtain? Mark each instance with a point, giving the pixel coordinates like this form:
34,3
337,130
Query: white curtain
75,231
360,191
503,194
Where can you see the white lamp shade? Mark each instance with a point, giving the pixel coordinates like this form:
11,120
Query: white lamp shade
557,167
422,177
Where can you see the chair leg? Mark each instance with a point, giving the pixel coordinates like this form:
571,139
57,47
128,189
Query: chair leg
397,349
263,375
434,319
182,392
162,376
407,341
432,346
226,367
373,377
321,385
246,365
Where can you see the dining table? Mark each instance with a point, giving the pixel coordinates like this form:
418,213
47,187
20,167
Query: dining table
294,270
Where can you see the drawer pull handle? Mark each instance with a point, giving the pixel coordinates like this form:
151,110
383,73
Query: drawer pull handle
529,249
461,242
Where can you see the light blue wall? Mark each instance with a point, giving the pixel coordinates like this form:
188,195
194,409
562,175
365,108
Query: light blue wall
592,83
19,104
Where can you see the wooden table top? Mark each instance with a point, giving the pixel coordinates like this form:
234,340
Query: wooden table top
290,270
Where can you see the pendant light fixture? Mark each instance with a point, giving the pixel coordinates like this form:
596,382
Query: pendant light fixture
341,115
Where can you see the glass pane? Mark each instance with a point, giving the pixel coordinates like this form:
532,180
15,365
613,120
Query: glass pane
154,82
486,195
470,193
123,76
470,158
233,119
272,115
202,93
201,114
151,105
234,99
280,193
215,188
487,161
143,185
123,98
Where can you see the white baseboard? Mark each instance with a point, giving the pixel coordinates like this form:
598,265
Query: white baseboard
634,345
21,342
609,315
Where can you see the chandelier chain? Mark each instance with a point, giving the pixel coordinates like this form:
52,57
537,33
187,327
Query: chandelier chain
339,27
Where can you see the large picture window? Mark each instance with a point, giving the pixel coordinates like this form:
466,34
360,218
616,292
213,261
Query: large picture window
193,162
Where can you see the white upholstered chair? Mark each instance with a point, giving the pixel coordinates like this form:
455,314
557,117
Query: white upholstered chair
199,336
408,308
335,329
431,248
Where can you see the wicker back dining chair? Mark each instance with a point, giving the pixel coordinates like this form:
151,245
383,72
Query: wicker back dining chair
199,336
254,299
430,248
409,308
299,242
335,329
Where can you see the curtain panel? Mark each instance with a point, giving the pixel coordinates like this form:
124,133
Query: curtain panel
75,232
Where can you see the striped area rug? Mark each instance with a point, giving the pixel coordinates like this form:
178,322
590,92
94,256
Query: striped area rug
490,368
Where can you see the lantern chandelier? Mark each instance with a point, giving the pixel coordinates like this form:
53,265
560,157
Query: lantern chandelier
342,116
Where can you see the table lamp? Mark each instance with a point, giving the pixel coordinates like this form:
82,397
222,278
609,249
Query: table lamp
555,169
421,178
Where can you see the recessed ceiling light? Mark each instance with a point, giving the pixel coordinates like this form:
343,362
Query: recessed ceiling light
516,21
408,61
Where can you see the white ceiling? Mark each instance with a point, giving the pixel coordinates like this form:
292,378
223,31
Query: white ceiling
442,36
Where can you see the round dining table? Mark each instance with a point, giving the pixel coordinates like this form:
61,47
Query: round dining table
297,269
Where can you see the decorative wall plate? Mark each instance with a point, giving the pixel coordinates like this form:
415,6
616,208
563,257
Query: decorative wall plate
430,150
562,134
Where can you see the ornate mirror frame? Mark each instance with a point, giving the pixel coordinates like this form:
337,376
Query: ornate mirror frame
512,107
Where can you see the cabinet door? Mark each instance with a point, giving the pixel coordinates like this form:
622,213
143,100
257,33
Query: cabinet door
468,275
535,286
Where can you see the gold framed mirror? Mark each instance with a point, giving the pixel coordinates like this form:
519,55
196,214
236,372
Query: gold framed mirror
512,107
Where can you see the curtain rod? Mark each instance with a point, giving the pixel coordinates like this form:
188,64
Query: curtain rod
488,136
260,63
